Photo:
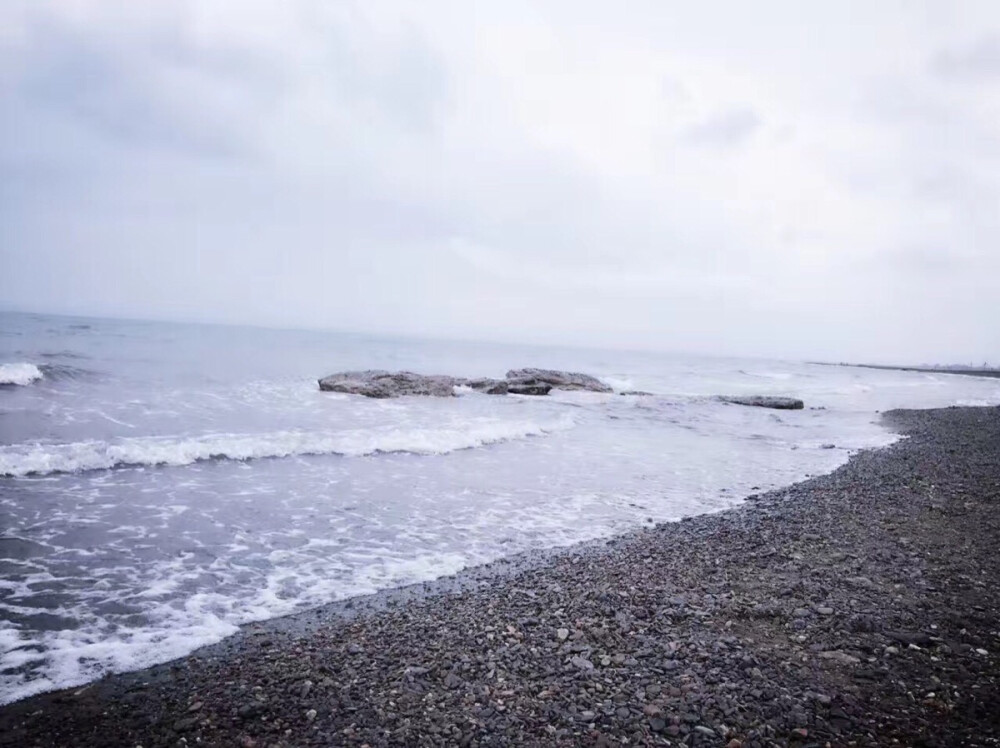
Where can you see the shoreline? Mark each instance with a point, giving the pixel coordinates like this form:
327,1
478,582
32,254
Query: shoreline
982,373
854,606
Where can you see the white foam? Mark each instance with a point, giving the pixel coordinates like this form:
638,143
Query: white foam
44,459
19,373
618,383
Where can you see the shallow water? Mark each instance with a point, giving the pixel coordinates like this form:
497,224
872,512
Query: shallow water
161,484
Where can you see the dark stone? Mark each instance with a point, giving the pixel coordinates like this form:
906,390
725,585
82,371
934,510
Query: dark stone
764,401
528,388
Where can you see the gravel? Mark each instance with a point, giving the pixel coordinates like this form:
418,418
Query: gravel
858,608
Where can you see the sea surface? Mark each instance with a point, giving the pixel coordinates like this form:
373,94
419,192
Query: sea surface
161,484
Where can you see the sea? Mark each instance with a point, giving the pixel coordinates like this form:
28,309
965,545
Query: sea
162,484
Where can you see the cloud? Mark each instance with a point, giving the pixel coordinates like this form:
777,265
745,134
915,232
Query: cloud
978,61
726,129
699,178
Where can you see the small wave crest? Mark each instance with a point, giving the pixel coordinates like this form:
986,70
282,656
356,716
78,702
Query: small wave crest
45,459
20,373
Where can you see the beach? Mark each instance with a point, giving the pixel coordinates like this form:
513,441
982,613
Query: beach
855,608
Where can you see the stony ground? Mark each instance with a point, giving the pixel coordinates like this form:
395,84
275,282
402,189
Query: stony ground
860,608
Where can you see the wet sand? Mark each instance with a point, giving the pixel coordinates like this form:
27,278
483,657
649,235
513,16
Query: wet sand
861,607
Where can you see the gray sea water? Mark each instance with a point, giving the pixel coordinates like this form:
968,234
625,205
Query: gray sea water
160,484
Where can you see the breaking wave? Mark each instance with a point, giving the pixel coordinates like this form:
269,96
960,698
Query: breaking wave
45,459
19,373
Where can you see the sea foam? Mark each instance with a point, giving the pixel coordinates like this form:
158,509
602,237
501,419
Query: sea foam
44,459
19,373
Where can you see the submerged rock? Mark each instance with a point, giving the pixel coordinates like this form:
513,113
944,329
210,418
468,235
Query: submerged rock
764,401
382,384
560,380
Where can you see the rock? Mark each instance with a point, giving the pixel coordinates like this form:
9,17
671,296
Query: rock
530,387
186,724
560,380
657,724
248,711
488,386
382,384
824,610
839,656
861,582
764,401
562,634
588,716
310,715
637,393
582,662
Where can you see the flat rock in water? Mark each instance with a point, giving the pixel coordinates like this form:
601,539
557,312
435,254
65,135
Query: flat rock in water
560,380
764,401
382,384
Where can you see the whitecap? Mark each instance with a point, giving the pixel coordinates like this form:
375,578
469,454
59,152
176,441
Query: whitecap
20,373
43,459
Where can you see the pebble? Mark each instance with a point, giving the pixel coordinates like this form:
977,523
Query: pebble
841,657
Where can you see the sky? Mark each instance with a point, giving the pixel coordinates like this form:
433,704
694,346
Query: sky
802,180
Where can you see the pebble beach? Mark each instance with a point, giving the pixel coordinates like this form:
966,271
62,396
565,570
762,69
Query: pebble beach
856,608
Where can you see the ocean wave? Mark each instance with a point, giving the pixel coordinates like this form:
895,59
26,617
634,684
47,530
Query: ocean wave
20,373
61,372
46,459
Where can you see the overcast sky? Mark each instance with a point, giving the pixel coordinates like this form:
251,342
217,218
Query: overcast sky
815,180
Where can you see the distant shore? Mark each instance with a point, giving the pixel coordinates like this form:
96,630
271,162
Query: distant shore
858,607
968,372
